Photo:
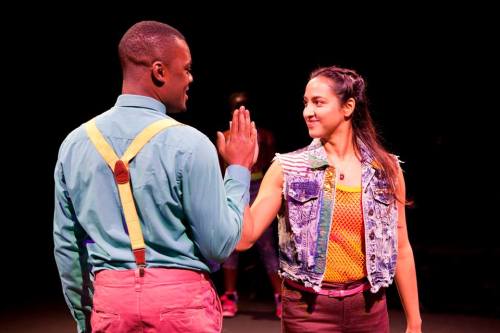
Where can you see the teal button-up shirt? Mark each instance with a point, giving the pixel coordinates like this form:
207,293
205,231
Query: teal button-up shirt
189,215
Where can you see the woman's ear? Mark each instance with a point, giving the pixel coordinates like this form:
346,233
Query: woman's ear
349,107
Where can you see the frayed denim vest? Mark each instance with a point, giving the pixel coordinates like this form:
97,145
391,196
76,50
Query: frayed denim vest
306,216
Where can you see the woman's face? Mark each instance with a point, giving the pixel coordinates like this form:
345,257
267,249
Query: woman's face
323,111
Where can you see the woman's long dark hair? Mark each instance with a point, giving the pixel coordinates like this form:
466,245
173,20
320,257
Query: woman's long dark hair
349,84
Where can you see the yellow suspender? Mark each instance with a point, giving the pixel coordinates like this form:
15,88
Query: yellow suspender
119,166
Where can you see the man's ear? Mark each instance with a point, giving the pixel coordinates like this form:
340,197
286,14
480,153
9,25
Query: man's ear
159,72
348,107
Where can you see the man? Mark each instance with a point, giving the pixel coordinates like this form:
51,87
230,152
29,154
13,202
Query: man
133,234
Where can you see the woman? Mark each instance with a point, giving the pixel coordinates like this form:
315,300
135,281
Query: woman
341,207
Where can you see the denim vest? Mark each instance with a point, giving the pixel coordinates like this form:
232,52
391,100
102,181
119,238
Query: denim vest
306,216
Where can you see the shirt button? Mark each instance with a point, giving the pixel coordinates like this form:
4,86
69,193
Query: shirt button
370,212
372,258
372,235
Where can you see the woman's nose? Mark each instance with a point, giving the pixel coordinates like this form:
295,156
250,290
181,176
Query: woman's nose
308,112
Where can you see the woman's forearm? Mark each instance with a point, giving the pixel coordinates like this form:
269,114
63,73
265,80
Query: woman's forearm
406,281
247,233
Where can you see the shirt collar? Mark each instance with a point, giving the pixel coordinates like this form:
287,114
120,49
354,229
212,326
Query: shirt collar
139,101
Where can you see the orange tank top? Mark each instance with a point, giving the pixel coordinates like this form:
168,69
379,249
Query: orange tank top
345,258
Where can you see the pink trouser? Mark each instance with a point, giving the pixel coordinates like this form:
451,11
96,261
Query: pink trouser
163,300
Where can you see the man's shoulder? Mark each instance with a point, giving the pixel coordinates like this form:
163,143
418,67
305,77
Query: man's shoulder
76,135
189,132
79,133
185,136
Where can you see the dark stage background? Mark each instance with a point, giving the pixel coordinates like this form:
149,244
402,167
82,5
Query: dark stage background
428,72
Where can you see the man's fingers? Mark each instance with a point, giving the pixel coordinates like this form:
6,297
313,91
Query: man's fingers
253,131
248,122
221,143
233,129
242,128
240,147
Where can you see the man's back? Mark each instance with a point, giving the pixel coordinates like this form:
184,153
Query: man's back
164,177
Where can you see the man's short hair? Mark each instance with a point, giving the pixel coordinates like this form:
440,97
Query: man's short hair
146,42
